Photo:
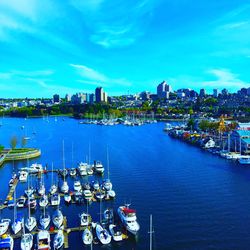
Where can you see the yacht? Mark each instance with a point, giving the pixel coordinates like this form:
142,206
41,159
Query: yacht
115,232
87,236
53,189
82,169
86,186
107,184
44,220
102,234
100,195
87,195
58,240
29,191
108,214
58,219
32,202
85,219
35,168
41,190
21,202
17,224
72,172
6,242
23,176
95,185
27,241
12,180
245,159
99,169
55,199
128,218
77,186
44,201
90,170
67,198
111,194
65,187
43,240
4,226
30,222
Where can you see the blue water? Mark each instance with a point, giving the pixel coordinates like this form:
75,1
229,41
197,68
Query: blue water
198,200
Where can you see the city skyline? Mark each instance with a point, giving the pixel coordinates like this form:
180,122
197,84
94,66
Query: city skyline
49,47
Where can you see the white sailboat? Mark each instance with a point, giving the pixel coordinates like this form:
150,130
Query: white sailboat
18,220
44,220
4,226
102,234
41,190
107,183
7,243
87,236
26,241
53,188
58,240
85,219
55,199
30,222
65,186
58,219
44,201
115,232
77,186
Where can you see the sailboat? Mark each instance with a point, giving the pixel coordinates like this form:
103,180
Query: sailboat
30,222
58,240
18,220
41,189
44,201
44,220
151,232
43,240
107,183
58,219
87,236
26,240
6,242
53,188
65,186
72,171
4,226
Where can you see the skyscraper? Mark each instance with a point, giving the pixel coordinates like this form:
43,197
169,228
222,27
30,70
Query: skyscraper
215,93
163,90
202,93
56,98
100,95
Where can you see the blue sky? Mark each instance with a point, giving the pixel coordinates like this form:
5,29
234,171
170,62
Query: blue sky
70,46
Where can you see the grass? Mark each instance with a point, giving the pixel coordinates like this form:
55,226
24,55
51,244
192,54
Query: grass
20,150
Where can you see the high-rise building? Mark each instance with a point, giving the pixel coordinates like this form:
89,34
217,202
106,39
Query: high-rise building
100,95
202,93
67,98
163,90
215,93
56,98
224,92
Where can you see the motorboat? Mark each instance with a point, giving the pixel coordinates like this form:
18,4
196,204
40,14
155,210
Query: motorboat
87,236
32,202
23,176
44,220
111,194
108,214
21,202
67,198
6,242
78,197
30,223
27,241
53,189
35,168
129,219
77,186
29,191
58,240
12,180
82,169
44,201
90,171
107,184
95,185
87,195
85,219
102,234
115,232
41,190
245,159
17,224
72,172
86,186
43,240
100,195
65,187
63,172
55,199
98,167
57,219
4,226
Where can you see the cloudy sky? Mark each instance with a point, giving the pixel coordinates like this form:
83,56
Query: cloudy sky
69,46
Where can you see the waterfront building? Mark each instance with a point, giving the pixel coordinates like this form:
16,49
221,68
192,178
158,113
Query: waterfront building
56,98
240,141
100,95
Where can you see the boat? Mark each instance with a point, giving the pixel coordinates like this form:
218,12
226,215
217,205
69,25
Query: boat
111,194
44,220
78,197
100,195
77,186
108,214
30,223
72,172
129,219
53,188
67,198
29,191
87,236
32,202
63,172
12,180
90,170
58,240
44,201
27,241
23,176
85,219
6,242
87,195
65,186
43,240
102,234
58,219
115,232
21,202
98,167
35,168
95,185
55,199
245,159
82,169
86,186
41,190
4,226
18,219
107,185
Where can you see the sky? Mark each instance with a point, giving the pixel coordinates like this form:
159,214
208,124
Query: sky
70,46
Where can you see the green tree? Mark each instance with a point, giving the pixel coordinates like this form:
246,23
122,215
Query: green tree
13,142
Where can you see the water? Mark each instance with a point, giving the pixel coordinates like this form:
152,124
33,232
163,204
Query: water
198,200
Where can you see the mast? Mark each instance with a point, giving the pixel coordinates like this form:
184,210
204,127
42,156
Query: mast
108,161
151,232
72,156
63,164
52,175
